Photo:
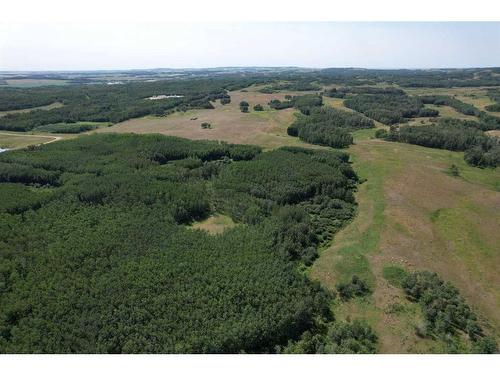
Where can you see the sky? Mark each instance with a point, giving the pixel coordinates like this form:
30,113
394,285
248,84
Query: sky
79,45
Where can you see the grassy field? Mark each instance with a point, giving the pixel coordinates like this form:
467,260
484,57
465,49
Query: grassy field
29,82
413,214
45,107
228,123
215,224
12,140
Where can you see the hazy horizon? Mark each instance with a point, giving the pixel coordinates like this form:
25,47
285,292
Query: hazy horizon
243,67
136,46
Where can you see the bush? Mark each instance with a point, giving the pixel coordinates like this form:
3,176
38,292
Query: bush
258,107
354,288
444,309
351,338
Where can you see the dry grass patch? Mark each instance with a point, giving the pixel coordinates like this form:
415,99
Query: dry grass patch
266,128
12,140
215,224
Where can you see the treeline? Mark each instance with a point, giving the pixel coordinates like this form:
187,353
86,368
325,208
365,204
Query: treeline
355,337
328,126
450,134
389,108
70,128
96,256
445,311
299,85
303,103
342,92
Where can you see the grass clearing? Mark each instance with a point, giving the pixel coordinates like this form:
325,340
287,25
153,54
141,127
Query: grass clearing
266,128
13,140
446,111
215,224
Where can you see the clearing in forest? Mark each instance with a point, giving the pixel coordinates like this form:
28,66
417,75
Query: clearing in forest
215,224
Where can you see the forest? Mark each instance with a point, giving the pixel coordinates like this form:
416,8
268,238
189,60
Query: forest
98,255
389,107
328,126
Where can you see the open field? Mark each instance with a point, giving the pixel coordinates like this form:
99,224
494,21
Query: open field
30,82
215,224
45,107
12,140
266,128
413,214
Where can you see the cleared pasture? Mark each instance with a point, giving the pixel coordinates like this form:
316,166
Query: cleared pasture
266,128
413,214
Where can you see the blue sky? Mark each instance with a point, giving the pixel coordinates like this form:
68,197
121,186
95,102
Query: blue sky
113,45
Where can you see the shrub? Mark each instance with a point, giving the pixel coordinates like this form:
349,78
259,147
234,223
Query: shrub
354,288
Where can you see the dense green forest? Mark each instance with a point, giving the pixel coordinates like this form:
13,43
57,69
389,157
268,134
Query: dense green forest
97,254
328,126
389,107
